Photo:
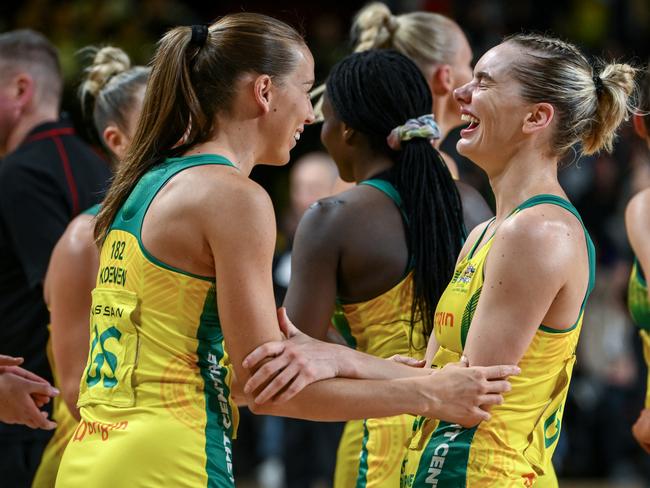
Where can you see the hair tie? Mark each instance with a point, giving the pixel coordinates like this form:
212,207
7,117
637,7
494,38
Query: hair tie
199,35
424,127
598,82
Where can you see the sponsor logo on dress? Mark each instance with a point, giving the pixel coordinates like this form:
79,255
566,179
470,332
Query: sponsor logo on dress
440,455
97,428
216,373
443,319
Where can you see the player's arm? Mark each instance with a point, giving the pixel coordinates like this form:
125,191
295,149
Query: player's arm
315,256
69,283
241,233
316,360
309,360
528,264
638,232
637,217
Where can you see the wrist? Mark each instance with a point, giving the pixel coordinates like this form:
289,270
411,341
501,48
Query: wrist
428,397
344,359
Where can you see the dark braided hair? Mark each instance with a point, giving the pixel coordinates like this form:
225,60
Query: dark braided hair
373,92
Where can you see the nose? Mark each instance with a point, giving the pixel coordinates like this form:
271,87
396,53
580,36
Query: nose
311,116
463,94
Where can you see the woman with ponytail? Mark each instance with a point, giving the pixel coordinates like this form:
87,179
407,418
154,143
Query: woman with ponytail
111,97
638,231
523,278
187,241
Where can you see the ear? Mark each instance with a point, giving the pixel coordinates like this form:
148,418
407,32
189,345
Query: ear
116,141
639,126
348,133
442,81
538,118
263,93
23,89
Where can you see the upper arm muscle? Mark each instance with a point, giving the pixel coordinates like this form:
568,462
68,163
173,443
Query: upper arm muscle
312,291
241,234
522,279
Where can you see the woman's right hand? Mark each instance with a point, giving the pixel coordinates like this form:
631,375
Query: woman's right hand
293,364
9,361
21,395
463,395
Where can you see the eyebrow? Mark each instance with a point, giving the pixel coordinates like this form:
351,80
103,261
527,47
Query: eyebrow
483,75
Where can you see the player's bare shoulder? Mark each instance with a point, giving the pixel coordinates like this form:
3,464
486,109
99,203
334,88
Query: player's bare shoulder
545,234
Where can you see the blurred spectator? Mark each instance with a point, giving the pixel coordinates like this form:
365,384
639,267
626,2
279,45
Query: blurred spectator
47,177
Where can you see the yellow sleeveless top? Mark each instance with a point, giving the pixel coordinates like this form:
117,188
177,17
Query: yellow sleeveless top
513,448
371,451
639,306
65,421
155,395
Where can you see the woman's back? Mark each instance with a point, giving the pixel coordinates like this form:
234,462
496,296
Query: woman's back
157,369
375,284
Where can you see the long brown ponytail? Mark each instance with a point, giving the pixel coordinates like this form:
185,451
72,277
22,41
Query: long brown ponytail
189,84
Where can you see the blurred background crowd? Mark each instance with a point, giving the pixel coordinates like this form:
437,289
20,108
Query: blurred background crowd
609,382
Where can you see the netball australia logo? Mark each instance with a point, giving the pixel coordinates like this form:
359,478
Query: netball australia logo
466,275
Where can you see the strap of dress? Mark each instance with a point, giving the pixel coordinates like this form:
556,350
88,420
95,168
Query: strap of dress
565,204
389,190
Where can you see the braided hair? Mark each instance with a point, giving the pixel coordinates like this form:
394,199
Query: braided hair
373,92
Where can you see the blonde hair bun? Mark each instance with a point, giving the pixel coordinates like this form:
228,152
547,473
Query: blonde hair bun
374,27
614,106
107,62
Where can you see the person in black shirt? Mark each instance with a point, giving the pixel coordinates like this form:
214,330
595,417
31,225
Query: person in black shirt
47,177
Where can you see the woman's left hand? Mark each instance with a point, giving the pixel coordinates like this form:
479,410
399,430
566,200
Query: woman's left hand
294,363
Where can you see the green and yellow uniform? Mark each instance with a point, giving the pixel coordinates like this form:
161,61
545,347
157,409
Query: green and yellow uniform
65,425
371,451
65,422
639,305
155,395
513,448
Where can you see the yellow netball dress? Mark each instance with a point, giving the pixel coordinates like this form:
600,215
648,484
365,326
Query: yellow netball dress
639,305
371,451
155,395
514,448
65,422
